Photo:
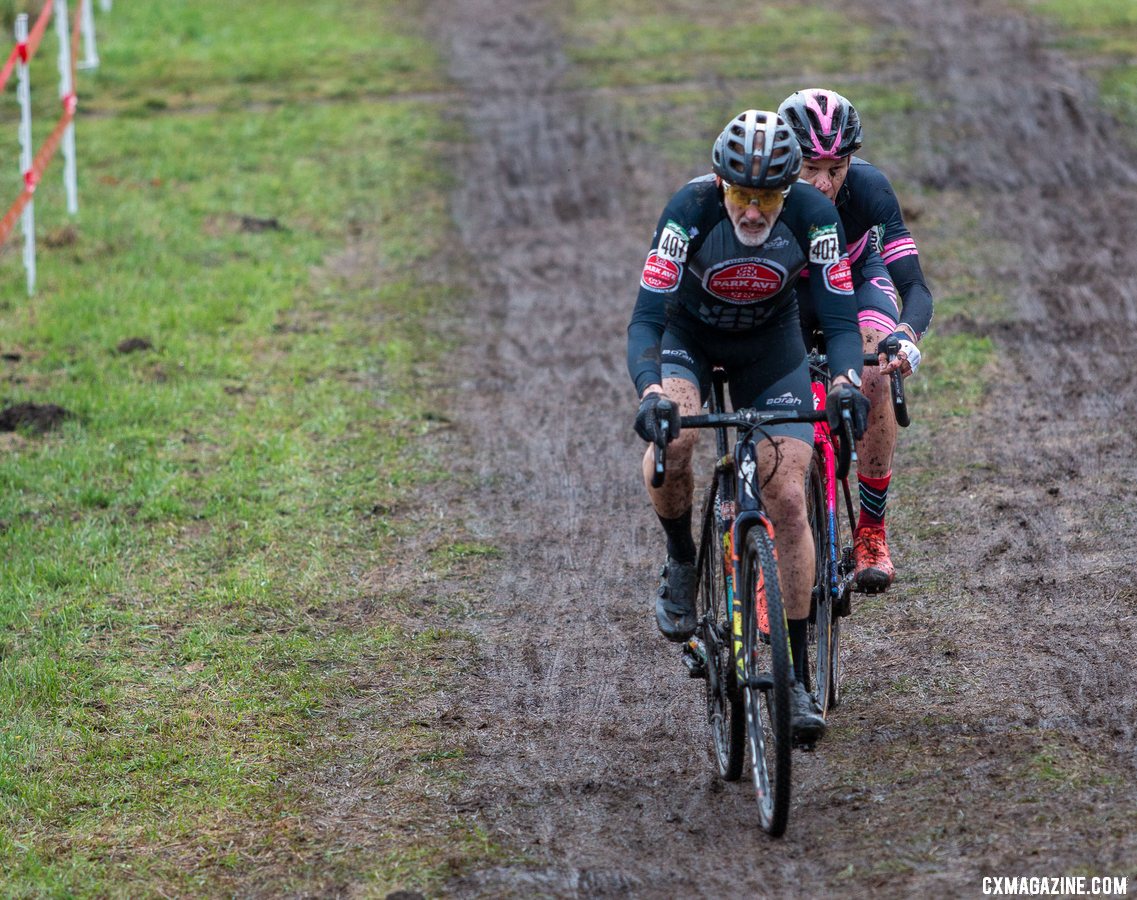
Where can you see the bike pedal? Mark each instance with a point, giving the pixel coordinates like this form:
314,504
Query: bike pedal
844,606
693,659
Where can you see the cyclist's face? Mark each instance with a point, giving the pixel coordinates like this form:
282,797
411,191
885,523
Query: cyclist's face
827,175
752,213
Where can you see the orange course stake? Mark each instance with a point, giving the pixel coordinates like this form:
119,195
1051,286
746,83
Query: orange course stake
33,165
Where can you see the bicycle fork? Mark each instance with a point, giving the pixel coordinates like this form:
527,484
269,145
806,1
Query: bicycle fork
750,515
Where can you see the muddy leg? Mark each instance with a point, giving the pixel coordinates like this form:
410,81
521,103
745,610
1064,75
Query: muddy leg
673,497
874,451
784,496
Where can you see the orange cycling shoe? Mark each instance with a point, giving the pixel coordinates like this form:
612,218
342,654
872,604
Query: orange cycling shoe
874,571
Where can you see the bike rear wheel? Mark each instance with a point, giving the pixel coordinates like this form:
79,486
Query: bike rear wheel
766,683
725,713
840,610
823,630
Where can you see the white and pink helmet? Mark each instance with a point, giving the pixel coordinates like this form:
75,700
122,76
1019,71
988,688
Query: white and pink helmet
825,124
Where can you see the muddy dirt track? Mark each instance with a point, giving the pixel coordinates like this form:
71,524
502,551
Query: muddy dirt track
988,726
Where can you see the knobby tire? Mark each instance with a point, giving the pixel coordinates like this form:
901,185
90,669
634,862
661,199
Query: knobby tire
725,713
768,724
823,629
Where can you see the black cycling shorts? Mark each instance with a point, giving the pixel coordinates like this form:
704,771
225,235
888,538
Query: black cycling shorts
766,368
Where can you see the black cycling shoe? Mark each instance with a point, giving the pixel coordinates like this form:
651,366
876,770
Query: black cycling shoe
806,715
675,603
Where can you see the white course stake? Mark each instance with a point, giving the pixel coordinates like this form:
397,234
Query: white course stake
24,95
90,51
105,5
67,95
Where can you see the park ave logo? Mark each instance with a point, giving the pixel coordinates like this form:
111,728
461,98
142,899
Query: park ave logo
660,274
745,282
839,277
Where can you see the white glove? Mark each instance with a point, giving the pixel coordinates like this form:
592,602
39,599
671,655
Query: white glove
911,351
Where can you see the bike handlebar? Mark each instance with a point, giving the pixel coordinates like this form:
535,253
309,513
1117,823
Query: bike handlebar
846,446
750,418
896,380
753,418
741,418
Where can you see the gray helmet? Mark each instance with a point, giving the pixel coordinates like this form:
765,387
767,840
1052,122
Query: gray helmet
757,150
826,124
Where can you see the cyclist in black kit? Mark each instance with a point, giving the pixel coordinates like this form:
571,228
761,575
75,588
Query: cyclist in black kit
892,297
718,288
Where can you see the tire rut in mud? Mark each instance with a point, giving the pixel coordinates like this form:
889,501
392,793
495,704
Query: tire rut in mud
586,740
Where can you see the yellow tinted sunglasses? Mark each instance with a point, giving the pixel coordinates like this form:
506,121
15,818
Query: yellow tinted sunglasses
767,199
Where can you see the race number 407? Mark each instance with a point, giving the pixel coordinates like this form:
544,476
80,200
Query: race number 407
673,243
824,245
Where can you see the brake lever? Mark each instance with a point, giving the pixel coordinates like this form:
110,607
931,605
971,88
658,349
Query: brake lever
847,447
896,383
660,456
847,428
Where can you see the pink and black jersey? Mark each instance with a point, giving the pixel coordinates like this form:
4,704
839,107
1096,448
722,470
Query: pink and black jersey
873,223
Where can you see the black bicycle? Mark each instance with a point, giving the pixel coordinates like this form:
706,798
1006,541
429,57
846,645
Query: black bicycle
741,644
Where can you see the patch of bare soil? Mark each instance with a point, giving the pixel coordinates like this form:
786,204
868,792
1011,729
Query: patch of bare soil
38,418
133,345
988,724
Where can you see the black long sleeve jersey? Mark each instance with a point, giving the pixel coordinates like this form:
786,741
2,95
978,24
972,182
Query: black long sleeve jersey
697,267
871,215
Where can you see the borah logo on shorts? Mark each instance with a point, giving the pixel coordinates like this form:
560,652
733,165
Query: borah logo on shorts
839,276
659,274
678,353
745,282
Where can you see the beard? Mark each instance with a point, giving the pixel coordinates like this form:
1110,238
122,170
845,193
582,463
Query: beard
753,237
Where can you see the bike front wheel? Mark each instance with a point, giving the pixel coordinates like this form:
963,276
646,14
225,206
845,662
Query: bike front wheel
725,713
767,675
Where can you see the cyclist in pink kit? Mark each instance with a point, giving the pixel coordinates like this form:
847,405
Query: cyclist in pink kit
893,299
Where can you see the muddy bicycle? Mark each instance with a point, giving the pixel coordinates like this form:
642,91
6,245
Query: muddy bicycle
741,645
741,642
833,577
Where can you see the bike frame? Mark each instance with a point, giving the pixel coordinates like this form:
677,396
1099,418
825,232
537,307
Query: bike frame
747,513
823,448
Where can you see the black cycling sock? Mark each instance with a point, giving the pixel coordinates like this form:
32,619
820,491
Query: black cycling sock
680,545
797,646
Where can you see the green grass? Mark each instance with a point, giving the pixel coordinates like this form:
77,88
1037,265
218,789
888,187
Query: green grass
1104,31
636,42
756,55
215,52
191,632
